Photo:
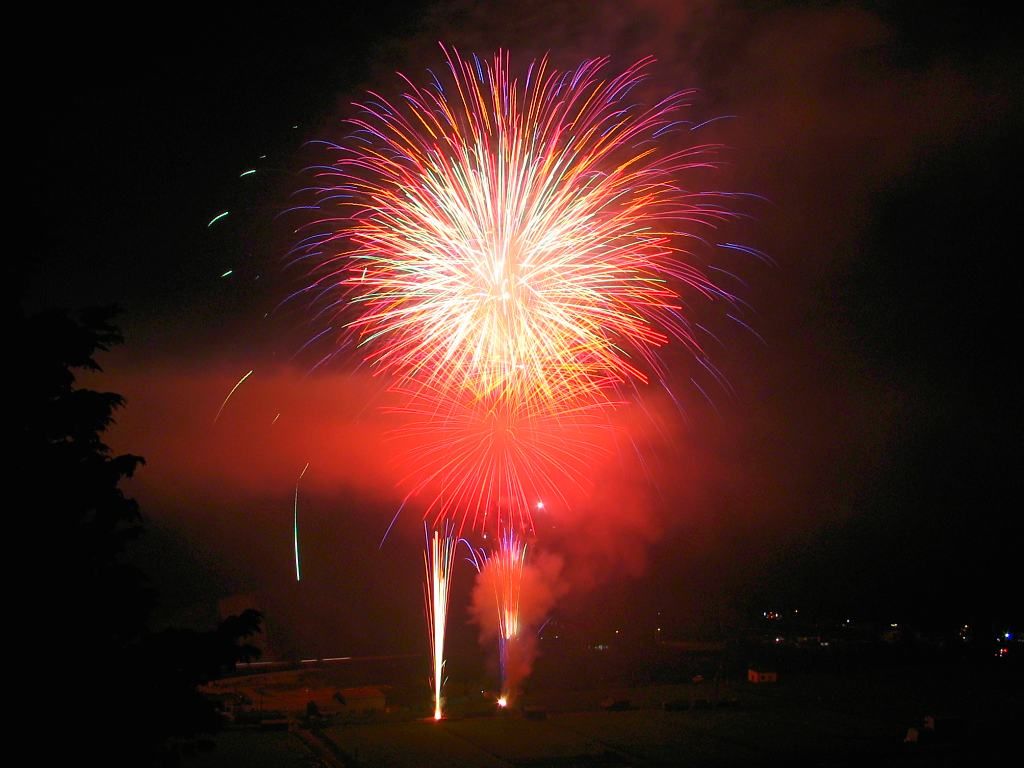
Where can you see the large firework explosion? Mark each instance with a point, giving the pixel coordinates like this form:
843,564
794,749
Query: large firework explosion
513,243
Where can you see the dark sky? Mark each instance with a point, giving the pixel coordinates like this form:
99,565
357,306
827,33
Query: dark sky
866,457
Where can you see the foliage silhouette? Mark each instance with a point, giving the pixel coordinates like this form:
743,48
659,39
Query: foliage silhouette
128,695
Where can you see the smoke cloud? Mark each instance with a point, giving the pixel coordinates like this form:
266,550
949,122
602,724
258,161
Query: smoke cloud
542,586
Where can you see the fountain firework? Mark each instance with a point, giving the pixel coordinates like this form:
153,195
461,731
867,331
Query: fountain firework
438,562
503,567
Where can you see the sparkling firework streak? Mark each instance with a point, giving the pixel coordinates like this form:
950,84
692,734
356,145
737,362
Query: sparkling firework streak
528,237
438,561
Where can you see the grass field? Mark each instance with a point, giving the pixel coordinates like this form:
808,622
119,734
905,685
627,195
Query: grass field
842,718
254,749
810,720
637,737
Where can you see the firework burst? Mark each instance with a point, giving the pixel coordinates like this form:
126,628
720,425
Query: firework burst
526,237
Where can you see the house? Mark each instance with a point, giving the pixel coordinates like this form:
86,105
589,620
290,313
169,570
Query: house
755,675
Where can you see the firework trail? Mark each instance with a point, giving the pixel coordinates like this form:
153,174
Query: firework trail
217,218
222,405
438,561
295,523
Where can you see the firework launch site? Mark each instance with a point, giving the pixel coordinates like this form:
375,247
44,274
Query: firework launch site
849,697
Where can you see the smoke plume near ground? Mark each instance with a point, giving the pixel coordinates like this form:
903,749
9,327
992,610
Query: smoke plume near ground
541,587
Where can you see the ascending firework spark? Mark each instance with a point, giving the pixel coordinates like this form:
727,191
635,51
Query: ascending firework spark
527,237
438,564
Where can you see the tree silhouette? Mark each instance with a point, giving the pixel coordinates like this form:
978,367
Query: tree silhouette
126,695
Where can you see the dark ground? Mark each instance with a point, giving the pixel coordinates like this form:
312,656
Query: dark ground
853,709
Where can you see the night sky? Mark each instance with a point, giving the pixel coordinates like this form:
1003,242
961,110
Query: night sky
865,457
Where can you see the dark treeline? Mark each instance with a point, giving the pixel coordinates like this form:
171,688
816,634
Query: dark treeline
106,683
